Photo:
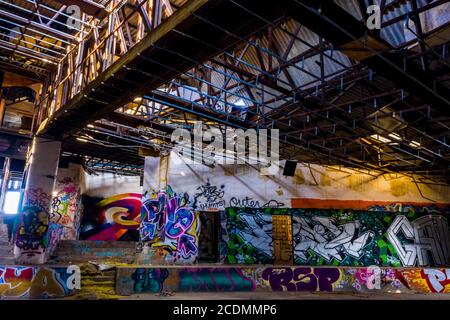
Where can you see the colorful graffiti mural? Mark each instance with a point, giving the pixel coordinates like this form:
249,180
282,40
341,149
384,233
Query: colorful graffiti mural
282,239
37,282
301,279
169,224
249,236
149,280
361,238
309,279
115,218
67,208
33,226
336,238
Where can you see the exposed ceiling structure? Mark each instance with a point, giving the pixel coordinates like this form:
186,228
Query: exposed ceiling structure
340,94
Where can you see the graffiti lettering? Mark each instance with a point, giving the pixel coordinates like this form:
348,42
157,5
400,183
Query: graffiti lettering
429,234
329,239
250,237
437,279
215,279
33,282
301,279
111,219
168,222
209,197
254,278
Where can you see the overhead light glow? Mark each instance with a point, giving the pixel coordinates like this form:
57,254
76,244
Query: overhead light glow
82,140
380,138
415,144
395,136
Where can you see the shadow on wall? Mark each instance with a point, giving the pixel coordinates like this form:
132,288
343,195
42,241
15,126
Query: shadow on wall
115,218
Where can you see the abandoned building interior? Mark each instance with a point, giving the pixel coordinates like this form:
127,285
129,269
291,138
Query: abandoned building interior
224,146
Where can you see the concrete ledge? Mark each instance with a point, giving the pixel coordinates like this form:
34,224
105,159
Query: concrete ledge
37,282
146,279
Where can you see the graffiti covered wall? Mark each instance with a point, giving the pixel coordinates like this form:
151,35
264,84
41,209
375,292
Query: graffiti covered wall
115,218
170,226
37,282
337,237
240,279
249,236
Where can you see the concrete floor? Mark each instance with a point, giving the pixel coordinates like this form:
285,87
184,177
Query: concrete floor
286,296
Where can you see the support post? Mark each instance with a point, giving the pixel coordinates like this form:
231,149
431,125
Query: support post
32,240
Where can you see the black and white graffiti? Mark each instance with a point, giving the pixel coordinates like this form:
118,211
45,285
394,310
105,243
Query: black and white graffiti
258,232
329,239
417,241
209,197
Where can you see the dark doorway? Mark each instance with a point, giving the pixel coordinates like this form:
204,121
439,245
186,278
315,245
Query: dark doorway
208,242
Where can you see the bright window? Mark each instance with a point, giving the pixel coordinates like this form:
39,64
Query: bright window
11,202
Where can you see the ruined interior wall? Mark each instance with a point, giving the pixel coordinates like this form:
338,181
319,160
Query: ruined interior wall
106,185
242,186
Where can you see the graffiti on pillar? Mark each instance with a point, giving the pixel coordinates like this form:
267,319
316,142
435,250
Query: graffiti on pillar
149,280
33,226
54,234
116,218
301,279
34,282
170,224
328,238
214,280
423,242
250,236
67,208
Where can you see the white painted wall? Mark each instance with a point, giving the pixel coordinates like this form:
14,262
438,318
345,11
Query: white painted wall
241,181
107,185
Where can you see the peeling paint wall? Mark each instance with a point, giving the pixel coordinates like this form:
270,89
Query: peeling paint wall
219,187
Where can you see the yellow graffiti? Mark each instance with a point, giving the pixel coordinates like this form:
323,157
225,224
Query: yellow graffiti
22,282
117,214
45,285
16,287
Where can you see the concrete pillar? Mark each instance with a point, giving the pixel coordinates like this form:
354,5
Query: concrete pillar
32,237
5,179
3,191
67,206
